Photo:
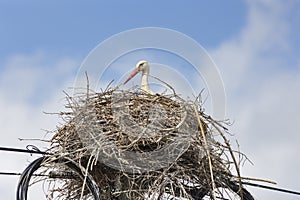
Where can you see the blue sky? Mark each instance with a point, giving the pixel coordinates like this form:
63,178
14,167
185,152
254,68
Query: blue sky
255,44
58,27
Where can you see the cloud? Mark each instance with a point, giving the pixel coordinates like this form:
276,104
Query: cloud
262,89
26,78
29,85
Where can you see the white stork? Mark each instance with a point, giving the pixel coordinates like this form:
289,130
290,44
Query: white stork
142,66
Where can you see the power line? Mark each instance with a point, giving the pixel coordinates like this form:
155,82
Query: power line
52,174
271,188
34,150
18,174
29,149
71,175
23,184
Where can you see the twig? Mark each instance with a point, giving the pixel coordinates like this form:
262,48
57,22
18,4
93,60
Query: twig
207,152
85,178
165,84
233,158
255,179
87,85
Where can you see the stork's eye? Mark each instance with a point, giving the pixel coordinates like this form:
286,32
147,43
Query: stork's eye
141,64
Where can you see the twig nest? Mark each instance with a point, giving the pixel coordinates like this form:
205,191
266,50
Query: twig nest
139,146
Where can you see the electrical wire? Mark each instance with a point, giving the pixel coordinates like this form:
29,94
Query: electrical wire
22,188
271,188
23,184
92,186
19,174
33,150
52,174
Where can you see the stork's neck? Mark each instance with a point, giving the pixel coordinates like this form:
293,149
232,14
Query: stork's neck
145,83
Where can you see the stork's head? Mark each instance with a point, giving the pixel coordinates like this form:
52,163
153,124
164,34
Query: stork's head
141,66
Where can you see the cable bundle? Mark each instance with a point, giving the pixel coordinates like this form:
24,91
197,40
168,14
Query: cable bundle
25,178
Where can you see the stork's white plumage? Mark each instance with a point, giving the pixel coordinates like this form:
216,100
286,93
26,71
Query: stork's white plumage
142,66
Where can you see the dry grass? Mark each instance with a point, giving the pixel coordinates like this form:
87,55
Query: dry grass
141,146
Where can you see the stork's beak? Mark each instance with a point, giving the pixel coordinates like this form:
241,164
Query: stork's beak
133,73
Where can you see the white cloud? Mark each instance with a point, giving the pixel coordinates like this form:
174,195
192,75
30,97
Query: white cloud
263,94
30,84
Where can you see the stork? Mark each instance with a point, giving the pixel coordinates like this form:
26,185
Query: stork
142,66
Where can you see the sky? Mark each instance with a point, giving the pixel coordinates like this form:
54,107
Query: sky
255,46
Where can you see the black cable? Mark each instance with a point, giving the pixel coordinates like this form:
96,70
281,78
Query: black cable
53,174
28,172
91,184
234,186
271,188
34,150
19,174
23,184
10,173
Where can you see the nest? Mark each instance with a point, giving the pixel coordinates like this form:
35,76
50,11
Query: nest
142,146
